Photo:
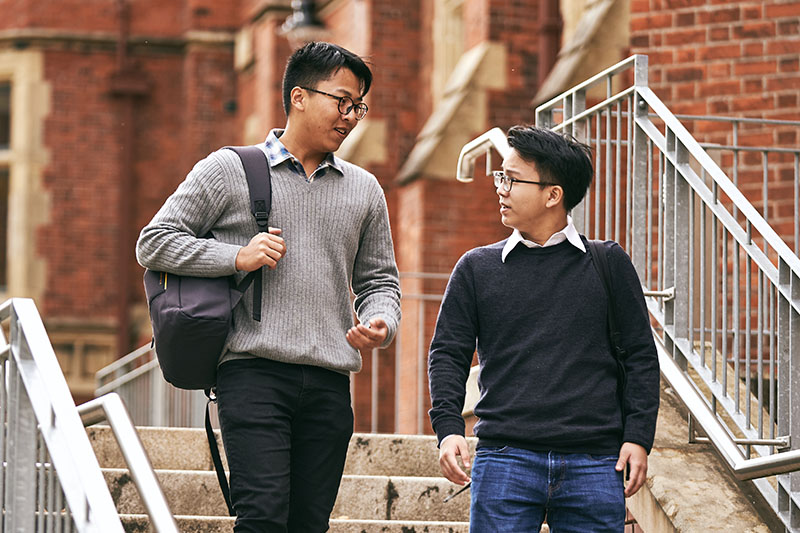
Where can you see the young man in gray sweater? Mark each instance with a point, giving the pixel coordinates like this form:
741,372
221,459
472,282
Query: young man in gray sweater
283,383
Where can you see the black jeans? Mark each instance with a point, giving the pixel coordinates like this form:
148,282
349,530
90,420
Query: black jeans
285,429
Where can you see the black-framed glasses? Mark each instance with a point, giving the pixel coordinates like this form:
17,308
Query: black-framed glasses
346,104
501,180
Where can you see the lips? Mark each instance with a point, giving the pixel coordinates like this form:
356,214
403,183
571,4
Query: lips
341,131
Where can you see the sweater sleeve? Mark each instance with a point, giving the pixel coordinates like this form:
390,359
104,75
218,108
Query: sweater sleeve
451,352
173,242
641,394
376,282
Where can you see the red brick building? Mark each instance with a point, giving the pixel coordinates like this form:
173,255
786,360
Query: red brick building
106,104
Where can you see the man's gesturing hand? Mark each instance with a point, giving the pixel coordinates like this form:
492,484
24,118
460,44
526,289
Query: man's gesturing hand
636,458
453,446
265,249
363,337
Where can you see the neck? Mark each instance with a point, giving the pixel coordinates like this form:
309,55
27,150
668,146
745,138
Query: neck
294,141
543,230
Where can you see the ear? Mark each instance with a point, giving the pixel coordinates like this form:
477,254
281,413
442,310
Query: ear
555,196
297,99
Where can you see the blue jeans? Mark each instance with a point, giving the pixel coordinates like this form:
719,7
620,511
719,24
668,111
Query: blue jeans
513,490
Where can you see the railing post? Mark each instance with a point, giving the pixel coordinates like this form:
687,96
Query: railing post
667,182
639,188
784,346
639,192
794,394
576,105
20,496
680,255
158,412
640,70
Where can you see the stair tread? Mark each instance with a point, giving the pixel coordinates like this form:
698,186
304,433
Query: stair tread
214,474
187,449
333,520
140,523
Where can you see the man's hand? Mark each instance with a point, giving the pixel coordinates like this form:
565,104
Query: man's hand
265,249
363,337
451,447
636,458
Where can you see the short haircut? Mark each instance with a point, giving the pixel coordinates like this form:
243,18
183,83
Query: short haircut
318,61
558,158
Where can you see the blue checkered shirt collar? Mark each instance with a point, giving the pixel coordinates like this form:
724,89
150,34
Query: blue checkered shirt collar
277,154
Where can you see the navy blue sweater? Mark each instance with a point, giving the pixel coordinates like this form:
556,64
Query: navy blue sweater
548,379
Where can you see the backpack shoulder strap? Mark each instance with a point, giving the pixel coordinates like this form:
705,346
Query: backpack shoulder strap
256,169
598,253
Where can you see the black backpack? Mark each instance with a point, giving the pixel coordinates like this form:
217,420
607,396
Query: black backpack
191,316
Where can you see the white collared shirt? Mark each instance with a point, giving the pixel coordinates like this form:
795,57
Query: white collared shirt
569,233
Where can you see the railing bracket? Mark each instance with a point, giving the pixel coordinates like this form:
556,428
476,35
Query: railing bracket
666,294
781,443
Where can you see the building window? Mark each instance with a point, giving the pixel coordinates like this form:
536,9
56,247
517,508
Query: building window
4,231
5,115
448,39
5,142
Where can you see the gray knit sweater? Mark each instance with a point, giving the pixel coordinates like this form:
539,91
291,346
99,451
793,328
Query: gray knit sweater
337,237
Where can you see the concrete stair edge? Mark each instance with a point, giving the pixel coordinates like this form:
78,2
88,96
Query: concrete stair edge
367,497
187,449
140,523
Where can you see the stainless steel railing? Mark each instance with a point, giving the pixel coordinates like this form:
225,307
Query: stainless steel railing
151,401
52,481
110,408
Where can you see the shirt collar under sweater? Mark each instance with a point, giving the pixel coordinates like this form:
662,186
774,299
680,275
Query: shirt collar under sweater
277,153
569,233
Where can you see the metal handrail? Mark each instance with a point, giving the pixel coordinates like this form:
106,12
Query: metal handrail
120,363
110,408
494,138
742,468
723,182
45,398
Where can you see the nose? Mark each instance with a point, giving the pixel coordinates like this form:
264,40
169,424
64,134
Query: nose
501,191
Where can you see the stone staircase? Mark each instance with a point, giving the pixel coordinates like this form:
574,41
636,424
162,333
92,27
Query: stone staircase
391,484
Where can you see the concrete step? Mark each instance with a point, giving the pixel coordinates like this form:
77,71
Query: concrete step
360,497
138,523
187,449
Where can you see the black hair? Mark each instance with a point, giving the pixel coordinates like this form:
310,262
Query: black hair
559,159
318,61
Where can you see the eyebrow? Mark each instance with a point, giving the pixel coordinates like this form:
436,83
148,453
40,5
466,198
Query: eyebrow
356,99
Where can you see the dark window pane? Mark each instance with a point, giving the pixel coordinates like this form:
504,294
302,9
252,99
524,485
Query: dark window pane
5,114
3,228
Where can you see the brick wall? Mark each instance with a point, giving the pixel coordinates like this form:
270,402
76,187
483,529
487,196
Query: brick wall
721,57
731,58
79,240
186,112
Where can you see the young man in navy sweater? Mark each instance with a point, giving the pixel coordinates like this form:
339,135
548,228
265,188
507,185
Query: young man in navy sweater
554,435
